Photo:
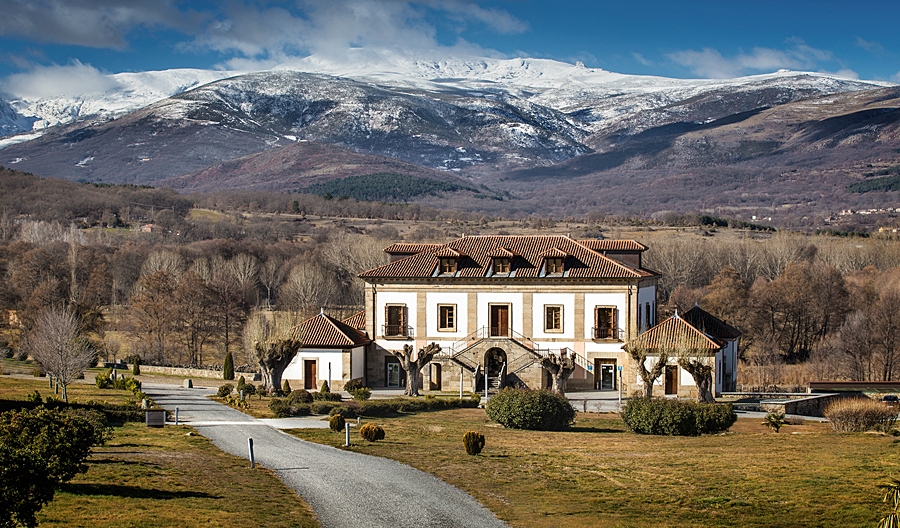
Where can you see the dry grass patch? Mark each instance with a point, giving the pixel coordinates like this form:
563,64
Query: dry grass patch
161,477
601,475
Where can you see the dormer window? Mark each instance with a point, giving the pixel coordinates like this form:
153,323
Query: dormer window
448,266
554,265
501,266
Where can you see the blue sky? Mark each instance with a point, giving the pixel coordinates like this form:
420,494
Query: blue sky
44,41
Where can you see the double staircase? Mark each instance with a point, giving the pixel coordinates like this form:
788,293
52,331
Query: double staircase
466,352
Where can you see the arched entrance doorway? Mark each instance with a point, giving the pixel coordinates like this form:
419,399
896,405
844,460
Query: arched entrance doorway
495,367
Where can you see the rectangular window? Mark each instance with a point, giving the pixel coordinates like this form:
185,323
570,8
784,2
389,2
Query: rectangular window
647,318
554,265
446,317
605,323
448,265
553,318
395,321
501,265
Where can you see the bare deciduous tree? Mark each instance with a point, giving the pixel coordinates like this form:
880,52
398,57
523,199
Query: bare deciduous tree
560,367
639,356
413,367
56,344
271,343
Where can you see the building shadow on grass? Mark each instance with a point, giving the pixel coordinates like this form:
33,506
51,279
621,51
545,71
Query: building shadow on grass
132,492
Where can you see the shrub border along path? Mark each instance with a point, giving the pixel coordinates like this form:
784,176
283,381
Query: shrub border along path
345,489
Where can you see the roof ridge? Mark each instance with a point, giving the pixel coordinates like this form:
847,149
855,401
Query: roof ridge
610,260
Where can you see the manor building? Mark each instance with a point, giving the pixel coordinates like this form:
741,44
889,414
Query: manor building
497,304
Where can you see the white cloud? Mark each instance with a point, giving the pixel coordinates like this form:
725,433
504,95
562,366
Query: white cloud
91,23
643,60
52,81
872,46
263,36
709,62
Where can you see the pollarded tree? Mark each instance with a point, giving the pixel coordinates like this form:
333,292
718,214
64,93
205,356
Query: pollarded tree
269,340
413,367
560,368
640,355
56,344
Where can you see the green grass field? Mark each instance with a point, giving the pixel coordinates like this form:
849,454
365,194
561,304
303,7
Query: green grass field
162,477
602,475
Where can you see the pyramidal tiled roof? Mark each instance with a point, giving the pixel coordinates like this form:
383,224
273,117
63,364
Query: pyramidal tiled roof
476,253
676,333
710,324
357,320
325,331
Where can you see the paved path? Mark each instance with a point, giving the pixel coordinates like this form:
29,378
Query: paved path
345,489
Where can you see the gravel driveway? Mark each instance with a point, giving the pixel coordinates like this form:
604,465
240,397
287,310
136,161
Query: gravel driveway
345,489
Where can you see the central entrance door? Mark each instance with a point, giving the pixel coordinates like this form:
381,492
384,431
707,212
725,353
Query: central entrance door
393,374
309,374
671,379
499,320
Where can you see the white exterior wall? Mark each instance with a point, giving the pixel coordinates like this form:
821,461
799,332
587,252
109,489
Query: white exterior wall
385,298
294,370
433,299
515,309
358,363
646,295
567,301
592,300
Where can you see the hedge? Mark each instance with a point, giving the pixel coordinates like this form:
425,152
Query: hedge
539,410
660,416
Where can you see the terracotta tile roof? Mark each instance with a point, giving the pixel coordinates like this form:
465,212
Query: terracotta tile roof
613,245
553,253
582,262
357,320
710,324
327,332
446,252
401,248
502,253
674,333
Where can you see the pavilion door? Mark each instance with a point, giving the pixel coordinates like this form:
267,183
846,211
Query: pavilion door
499,320
671,379
309,374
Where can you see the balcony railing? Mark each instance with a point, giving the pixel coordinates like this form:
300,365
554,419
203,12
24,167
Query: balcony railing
396,331
605,332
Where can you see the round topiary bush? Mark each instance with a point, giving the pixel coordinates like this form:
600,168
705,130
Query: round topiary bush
659,416
300,396
225,390
337,423
371,432
474,442
538,410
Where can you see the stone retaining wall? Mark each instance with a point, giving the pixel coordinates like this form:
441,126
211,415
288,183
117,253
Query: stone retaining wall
811,406
191,372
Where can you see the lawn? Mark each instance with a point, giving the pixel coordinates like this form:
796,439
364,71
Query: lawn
162,477
602,475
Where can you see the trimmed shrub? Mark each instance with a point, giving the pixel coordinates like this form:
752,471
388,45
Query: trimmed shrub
855,415
346,412
323,407
371,432
228,369
539,410
136,366
337,423
361,394
352,385
474,442
300,396
377,408
280,408
225,390
659,416
286,387
248,388
103,381
326,396
324,388
241,383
